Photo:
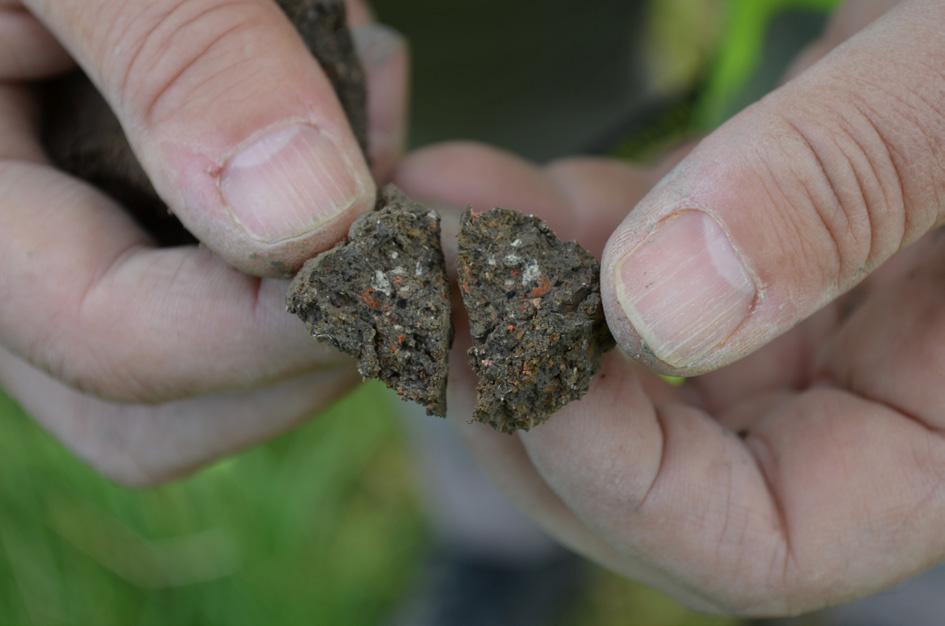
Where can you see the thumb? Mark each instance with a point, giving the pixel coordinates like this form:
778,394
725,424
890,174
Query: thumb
789,204
235,123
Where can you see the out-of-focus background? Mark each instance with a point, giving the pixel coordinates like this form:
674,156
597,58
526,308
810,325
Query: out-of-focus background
324,525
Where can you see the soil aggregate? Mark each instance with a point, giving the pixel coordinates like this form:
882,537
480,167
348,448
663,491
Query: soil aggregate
383,297
535,317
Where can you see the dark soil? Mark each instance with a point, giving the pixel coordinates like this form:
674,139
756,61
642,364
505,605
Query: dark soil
323,26
535,317
83,137
383,298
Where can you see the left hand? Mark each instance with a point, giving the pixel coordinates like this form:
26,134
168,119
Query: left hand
148,361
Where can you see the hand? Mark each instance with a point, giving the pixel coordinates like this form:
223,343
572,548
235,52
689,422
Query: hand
146,361
808,469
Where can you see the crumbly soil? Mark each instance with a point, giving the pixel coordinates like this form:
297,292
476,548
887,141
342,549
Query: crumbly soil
535,317
533,301
83,137
383,297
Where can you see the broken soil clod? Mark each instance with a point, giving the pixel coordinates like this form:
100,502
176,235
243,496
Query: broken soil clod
383,297
535,317
533,301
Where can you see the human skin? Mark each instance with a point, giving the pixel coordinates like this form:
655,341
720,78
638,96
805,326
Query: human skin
149,361
804,466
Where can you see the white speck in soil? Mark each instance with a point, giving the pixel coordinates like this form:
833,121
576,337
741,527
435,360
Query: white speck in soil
381,283
531,274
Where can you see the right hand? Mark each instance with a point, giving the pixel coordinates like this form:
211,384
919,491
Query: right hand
145,361
810,471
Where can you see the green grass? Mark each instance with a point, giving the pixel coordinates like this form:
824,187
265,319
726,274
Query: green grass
320,526
317,527
741,53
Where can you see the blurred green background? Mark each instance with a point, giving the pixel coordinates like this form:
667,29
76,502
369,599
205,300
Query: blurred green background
323,525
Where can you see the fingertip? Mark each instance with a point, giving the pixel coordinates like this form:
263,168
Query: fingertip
283,259
237,126
678,292
282,196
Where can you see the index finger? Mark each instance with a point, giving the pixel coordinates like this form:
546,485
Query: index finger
90,299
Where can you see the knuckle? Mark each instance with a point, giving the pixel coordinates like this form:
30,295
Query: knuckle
805,247
96,370
102,365
97,348
846,185
834,195
174,49
918,145
87,372
109,377
80,367
85,362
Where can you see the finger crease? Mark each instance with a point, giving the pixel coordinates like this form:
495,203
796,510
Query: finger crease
155,100
818,207
664,444
107,269
781,518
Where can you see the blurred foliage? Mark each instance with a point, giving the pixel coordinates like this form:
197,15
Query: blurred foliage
741,52
681,37
318,527
708,59
612,601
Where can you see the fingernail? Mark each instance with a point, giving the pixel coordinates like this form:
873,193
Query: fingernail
288,183
684,289
376,43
